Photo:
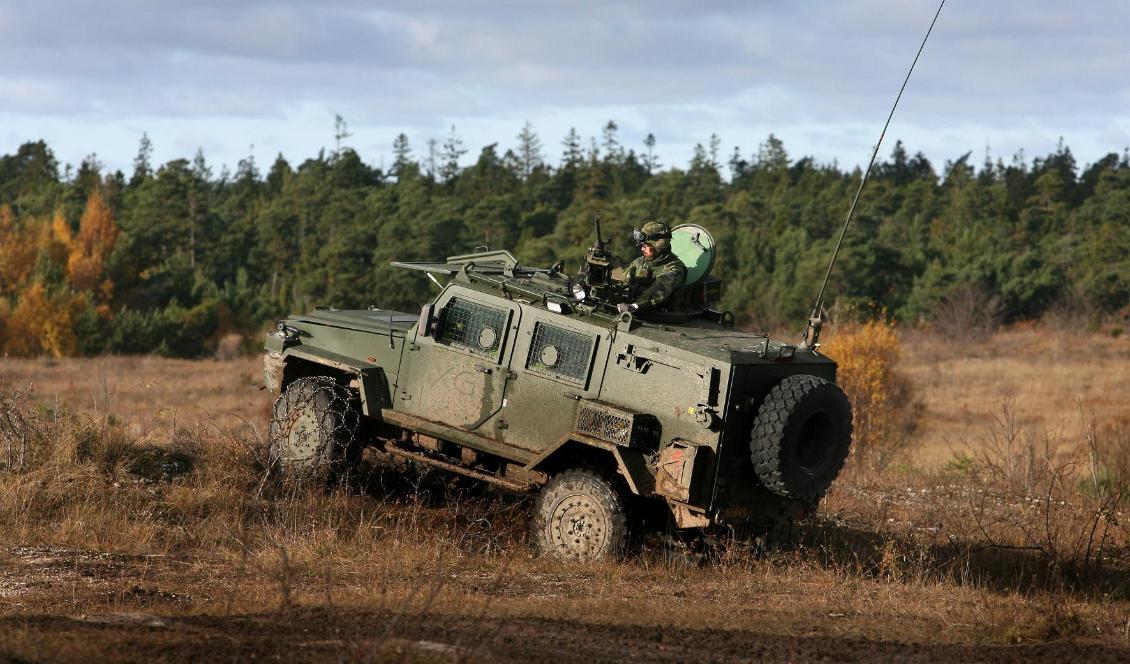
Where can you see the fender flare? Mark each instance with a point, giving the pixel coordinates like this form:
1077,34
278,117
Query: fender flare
372,383
631,464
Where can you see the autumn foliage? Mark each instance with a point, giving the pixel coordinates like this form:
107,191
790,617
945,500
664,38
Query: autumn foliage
52,275
89,250
884,412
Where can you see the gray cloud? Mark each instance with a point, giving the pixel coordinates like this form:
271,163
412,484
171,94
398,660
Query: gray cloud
822,75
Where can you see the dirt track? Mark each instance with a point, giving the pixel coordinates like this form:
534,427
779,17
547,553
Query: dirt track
325,635
67,605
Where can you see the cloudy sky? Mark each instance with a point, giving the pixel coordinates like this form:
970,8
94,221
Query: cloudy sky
235,78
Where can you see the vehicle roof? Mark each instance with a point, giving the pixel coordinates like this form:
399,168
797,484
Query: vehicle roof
699,336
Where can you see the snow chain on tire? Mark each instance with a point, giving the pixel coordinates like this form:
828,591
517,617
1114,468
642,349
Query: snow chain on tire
801,437
314,429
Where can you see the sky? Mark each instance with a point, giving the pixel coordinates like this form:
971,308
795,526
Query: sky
259,78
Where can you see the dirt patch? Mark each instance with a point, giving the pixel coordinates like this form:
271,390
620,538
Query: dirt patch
324,635
70,605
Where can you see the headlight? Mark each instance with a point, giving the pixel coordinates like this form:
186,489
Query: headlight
579,292
557,305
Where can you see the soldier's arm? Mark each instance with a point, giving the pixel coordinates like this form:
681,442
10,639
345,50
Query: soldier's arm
665,283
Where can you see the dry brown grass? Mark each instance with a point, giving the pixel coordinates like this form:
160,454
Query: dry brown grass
152,396
133,515
1041,371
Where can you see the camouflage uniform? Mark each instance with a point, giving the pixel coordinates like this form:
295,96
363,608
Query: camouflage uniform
660,277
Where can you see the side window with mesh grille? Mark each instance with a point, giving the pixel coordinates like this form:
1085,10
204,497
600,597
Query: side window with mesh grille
560,353
474,327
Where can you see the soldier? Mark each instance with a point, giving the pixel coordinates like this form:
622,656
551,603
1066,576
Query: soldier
659,272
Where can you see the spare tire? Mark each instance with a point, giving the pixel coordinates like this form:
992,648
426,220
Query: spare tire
801,437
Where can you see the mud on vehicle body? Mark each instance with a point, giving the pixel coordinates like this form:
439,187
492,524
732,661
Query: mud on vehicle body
530,380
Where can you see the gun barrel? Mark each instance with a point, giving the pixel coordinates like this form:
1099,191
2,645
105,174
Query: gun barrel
599,244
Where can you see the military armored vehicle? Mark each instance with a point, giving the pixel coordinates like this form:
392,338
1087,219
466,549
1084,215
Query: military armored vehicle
530,379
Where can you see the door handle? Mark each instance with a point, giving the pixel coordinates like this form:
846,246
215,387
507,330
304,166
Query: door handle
483,368
572,395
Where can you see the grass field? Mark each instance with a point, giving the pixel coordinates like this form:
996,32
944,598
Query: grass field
139,527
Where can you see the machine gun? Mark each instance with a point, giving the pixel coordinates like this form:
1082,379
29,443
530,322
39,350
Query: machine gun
597,268
597,284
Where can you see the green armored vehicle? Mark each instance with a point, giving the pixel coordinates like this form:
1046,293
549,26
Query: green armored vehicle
533,380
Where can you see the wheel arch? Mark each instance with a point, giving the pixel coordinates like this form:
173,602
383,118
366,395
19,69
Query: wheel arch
297,366
575,451
368,381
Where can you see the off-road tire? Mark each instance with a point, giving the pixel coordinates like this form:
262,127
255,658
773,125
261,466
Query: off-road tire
314,430
580,515
801,437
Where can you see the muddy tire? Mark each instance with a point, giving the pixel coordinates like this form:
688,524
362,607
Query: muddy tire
801,437
314,427
580,516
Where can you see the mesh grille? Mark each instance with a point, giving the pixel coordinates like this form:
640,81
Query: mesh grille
604,423
560,353
464,324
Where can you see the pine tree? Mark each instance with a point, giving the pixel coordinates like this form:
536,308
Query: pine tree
278,175
433,144
453,151
613,153
529,150
402,155
572,157
142,166
771,154
738,165
650,161
198,193
341,132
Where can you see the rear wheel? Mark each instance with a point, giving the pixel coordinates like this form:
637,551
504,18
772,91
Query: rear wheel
580,515
314,427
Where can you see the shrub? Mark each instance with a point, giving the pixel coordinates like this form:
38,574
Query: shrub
966,313
884,412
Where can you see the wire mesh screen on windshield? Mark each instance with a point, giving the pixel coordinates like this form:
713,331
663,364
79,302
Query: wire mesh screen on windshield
560,353
473,326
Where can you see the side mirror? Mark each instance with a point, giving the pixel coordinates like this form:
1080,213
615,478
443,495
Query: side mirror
427,314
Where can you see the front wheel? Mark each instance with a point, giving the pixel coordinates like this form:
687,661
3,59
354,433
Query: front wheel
580,516
314,430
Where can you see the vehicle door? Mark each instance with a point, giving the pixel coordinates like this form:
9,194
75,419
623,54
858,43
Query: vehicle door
458,374
556,363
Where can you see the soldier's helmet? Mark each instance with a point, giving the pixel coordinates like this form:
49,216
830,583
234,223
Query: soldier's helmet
655,233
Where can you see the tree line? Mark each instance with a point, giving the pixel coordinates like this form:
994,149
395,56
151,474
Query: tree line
174,257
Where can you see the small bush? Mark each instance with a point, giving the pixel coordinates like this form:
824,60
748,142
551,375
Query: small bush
967,313
18,434
884,412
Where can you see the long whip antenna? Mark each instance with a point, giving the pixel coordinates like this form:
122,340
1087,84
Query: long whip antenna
814,321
